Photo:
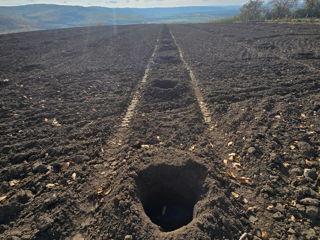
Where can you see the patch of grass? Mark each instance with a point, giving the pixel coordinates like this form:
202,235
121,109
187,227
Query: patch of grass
226,20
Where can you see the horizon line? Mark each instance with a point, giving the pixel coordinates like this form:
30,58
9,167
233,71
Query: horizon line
120,7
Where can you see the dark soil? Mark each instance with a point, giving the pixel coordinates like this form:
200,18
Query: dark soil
70,170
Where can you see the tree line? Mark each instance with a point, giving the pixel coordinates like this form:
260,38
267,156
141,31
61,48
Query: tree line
256,10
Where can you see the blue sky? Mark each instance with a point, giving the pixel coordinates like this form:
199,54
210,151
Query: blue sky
128,3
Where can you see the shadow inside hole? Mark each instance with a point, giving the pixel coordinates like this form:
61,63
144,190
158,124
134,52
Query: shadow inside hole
169,193
165,84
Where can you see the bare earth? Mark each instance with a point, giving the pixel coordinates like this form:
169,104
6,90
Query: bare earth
199,131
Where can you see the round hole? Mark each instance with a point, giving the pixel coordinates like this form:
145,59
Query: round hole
168,194
165,84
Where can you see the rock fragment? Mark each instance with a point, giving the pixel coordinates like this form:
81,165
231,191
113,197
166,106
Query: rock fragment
277,216
251,150
291,231
3,198
50,185
74,176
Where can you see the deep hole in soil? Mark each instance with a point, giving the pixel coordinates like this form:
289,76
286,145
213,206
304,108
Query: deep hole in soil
165,84
168,193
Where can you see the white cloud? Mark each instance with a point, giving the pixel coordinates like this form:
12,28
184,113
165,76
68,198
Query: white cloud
127,3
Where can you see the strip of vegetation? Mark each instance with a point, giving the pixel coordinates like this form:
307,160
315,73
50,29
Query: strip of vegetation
226,20
277,10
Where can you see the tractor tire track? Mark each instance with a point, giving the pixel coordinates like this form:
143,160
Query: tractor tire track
137,94
205,112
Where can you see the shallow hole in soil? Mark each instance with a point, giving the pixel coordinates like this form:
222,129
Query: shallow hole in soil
169,193
165,84
167,59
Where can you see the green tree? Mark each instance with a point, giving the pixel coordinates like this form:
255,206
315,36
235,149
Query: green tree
252,11
312,8
282,8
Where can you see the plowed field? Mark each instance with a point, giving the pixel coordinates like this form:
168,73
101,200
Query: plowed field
196,131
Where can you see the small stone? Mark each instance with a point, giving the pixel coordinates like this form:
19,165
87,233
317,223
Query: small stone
291,231
277,215
50,185
251,150
312,212
253,219
74,176
55,123
310,201
311,173
14,182
128,237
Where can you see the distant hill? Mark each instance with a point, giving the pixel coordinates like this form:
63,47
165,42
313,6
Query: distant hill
47,16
